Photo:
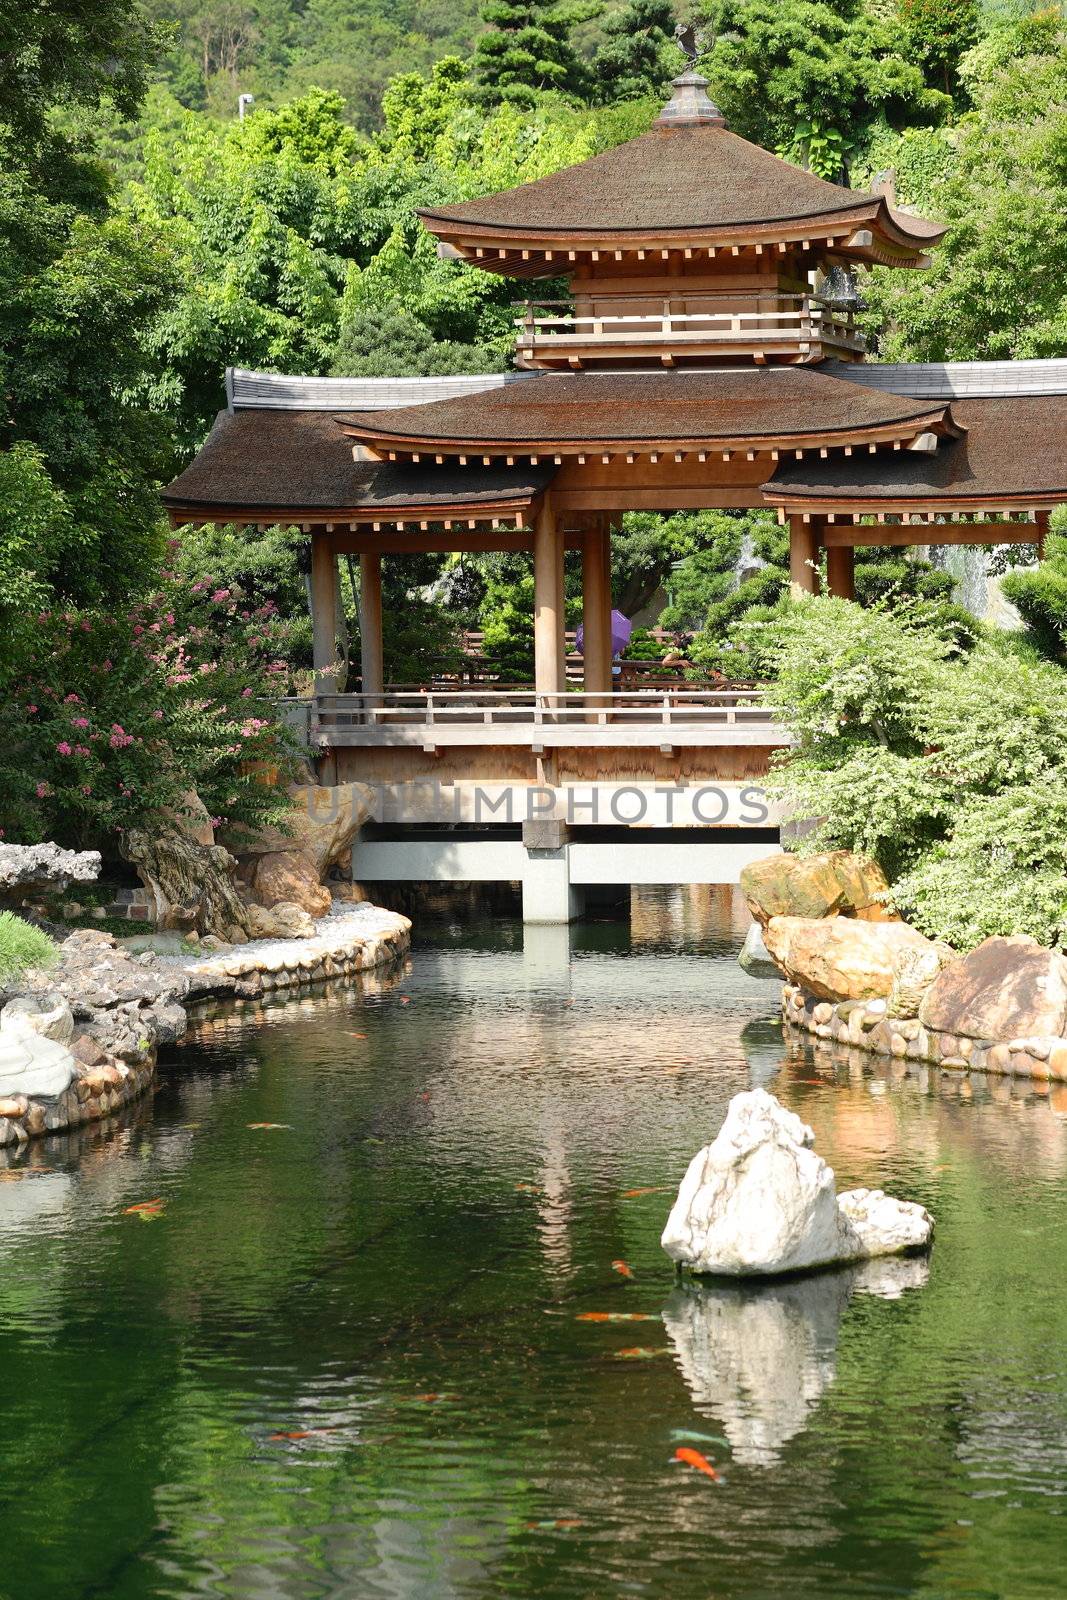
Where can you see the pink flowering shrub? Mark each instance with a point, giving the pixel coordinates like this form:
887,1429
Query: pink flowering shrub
110,716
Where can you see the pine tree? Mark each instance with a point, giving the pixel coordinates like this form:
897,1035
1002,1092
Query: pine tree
635,62
528,50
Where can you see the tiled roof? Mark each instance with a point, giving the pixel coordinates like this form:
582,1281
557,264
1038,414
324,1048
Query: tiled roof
949,380
301,461
684,406
671,179
1013,446
277,391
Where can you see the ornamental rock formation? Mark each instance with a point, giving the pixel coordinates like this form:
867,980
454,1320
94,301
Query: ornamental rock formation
840,958
760,1201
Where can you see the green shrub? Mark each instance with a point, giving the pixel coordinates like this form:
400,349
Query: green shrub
948,768
22,945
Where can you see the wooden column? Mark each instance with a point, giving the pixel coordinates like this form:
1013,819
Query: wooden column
803,556
596,607
371,655
841,571
548,597
324,614
1042,520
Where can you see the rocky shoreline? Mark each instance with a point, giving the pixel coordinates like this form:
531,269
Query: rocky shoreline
79,1042
864,1025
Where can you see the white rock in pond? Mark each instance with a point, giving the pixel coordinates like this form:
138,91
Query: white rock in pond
759,1200
50,1016
32,1065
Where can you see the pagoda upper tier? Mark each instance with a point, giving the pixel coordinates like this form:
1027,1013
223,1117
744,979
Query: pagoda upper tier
686,244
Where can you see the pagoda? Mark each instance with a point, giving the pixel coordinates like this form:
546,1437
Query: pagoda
701,359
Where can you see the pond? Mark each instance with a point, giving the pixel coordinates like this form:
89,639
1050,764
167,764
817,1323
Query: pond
351,1355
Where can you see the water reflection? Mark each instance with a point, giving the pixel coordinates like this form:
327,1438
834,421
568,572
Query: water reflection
759,1357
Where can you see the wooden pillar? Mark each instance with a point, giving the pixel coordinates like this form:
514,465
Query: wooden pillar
841,571
548,596
371,649
324,614
803,556
1042,520
596,607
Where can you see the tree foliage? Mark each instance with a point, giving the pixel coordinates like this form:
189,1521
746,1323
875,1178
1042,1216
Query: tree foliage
945,768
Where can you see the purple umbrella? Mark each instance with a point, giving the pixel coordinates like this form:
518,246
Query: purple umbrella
621,629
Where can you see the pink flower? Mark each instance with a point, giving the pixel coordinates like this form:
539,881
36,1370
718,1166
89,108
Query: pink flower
42,791
31,709
138,630
170,618
158,716
220,595
87,627
64,749
71,700
80,750
79,722
246,694
105,666
87,788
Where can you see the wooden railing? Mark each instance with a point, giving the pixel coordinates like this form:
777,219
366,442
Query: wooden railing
790,319
666,708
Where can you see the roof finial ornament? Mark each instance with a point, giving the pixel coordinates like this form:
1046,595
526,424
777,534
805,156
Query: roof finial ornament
689,42
689,103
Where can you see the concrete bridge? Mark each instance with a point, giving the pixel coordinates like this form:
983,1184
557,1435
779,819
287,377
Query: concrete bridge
557,793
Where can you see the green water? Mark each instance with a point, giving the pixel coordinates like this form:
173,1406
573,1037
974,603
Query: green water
399,1272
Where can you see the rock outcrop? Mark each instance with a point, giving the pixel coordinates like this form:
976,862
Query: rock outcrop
831,885
43,871
192,886
1005,989
841,958
760,1201
289,877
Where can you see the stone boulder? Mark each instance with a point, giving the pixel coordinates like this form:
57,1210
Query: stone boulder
289,877
49,1015
192,886
32,1066
759,1201
283,921
755,958
831,885
322,825
1008,988
841,958
42,871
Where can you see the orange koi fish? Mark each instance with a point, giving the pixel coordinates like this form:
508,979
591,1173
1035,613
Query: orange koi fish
268,1124
615,1316
693,1458
634,1194
144,1208
622,1269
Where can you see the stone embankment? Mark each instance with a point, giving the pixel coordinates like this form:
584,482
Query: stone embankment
877,984
79,1041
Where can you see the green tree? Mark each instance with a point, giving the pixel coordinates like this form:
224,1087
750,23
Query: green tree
528,50
639,55
810,78
78,286
996,286
937,33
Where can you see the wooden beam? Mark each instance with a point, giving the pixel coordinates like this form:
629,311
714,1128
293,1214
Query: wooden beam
909,533
803,557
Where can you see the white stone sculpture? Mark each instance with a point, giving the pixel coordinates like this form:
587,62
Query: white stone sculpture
760,1201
